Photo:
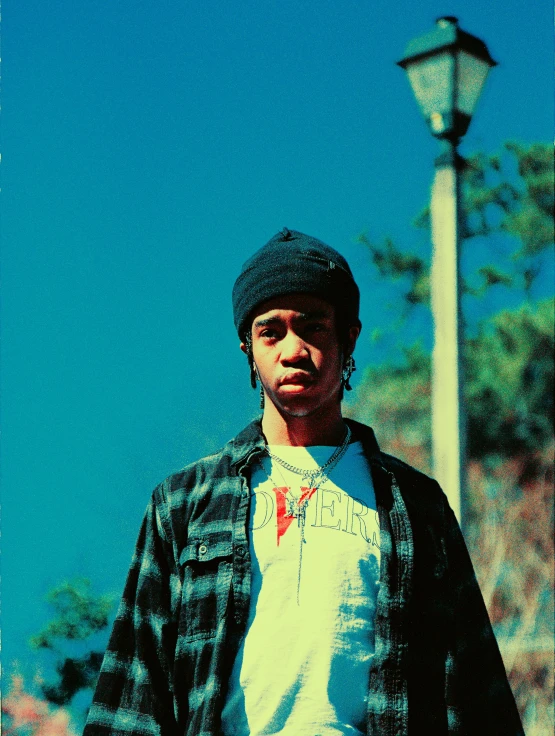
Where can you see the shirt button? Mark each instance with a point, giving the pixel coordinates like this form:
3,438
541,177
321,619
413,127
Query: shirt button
241,551
203,549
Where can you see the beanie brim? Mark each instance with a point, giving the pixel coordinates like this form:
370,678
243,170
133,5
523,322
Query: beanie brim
291,263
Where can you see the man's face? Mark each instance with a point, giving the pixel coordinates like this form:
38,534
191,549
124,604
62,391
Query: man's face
297,353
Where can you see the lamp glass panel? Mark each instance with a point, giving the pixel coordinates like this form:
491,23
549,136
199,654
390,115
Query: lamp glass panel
432,80
471,76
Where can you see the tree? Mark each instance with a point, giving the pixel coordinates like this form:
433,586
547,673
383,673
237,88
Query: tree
508,389
79,616
509,380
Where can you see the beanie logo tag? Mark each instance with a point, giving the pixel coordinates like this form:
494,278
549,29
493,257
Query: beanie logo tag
286,235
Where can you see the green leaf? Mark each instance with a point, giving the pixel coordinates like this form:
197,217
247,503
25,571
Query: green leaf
78,614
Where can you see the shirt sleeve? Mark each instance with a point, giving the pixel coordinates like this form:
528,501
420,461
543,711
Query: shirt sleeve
134,693
478,695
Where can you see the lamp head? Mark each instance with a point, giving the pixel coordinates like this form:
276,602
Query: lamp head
447,68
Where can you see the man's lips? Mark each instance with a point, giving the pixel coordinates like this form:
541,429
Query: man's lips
297,379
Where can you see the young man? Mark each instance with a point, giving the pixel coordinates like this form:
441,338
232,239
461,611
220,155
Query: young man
299,581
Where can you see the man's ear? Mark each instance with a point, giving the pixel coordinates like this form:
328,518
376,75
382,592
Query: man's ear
354,332
243,348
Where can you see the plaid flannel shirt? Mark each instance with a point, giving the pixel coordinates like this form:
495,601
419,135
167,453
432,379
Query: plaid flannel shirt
436,668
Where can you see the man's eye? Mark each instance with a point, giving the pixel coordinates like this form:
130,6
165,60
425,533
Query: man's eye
269,334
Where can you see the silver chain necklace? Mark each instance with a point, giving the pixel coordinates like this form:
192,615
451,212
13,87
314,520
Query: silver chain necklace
296,507
316,474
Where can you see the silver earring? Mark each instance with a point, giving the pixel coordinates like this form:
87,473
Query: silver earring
348,369
255,378
252,366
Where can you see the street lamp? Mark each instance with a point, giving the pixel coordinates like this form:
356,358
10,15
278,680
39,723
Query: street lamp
447,69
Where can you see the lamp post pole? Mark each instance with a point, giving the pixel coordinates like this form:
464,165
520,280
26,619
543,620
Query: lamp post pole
447,68
448,415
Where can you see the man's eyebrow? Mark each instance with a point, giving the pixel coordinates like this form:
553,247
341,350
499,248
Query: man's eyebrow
302,317
266,321
316,314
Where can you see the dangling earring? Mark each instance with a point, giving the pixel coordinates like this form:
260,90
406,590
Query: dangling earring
252,365
348,369
254,378
248,344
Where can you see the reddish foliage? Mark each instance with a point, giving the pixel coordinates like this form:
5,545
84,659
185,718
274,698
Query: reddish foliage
26,714
513,501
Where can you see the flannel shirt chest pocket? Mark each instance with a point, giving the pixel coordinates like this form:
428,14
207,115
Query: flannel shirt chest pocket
207,569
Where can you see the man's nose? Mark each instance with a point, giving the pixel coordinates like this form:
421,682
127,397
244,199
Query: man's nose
293,348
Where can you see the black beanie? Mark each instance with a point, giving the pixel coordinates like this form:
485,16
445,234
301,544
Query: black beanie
290,263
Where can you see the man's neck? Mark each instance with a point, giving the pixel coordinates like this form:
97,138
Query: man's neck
303,431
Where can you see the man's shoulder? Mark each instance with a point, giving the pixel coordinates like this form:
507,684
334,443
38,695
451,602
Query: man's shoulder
217,466
422,494
417,488
405,472
197,472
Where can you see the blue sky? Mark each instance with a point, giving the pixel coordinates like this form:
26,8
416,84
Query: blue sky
149,149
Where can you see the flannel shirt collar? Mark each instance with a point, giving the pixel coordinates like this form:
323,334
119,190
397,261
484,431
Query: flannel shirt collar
251,442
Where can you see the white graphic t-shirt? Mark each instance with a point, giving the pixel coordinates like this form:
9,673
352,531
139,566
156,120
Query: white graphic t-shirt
303,666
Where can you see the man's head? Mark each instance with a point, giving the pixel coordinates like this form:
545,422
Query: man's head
295,307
